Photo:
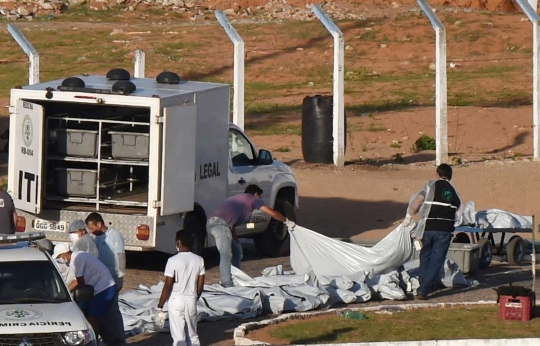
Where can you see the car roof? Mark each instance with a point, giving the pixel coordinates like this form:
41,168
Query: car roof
21,251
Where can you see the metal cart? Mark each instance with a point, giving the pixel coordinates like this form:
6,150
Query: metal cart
493,242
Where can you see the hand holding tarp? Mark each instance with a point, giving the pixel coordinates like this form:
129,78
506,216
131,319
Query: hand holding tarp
160,318
407,220
290,224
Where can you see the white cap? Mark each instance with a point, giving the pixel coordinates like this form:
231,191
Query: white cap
60,248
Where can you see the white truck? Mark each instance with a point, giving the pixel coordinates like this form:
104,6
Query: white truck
153,156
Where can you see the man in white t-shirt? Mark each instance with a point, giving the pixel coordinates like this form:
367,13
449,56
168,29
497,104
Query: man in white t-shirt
90,271
184,282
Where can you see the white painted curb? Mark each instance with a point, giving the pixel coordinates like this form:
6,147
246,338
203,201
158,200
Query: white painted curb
241,331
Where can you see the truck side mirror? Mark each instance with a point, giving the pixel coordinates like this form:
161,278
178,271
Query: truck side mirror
265,157
83,294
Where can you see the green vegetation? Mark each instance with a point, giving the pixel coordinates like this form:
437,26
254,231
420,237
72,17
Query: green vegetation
376,128
440,324
278,75
284,149
424,143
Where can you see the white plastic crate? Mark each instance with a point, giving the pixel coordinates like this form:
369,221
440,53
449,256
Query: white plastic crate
130,145
72,142
73,182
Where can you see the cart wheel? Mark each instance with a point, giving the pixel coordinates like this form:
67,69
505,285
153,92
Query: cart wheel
486,253
462,238
515,251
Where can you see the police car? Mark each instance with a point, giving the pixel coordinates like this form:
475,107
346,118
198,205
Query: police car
36,307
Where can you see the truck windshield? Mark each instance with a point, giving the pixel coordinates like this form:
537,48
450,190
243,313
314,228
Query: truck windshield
31,282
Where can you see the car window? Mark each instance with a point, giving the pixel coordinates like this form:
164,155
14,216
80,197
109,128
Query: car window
241,150
31,281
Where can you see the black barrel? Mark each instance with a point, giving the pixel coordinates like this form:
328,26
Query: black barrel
317,139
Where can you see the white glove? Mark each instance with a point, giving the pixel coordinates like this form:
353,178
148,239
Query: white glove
290,224
407,220
418,244
160,318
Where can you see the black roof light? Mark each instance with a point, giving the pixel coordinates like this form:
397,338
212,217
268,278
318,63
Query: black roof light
73,82
124,87
118,74
168,77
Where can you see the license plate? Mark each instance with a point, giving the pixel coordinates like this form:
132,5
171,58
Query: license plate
44,225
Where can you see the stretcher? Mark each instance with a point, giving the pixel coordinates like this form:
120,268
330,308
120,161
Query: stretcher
493,241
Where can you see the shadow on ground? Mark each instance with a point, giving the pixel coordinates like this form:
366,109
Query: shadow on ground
344,218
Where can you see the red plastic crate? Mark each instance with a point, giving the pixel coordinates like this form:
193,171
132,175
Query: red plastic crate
516,308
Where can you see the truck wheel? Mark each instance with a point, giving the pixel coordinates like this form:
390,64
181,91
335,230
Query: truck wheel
275,241
486,253
515,251
193,225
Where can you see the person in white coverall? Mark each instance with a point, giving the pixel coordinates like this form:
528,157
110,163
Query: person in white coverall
81,240
184,282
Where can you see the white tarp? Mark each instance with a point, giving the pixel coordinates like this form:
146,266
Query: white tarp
494,218
314,252
347,273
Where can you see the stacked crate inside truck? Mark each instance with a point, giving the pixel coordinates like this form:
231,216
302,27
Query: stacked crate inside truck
97,155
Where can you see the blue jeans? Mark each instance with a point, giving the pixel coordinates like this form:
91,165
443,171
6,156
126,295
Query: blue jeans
435,246
230,252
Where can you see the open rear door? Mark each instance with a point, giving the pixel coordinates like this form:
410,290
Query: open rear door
178,159
28,156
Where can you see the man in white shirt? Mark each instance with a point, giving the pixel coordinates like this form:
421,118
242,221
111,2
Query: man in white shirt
184,282
90,271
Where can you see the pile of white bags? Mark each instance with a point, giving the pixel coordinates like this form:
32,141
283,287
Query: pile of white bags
326,272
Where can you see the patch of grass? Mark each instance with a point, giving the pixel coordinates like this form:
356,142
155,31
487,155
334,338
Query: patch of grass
382,106
303,30
284,149
456,160
370,35
174,48
269,129
254,108
376,128
439,324
424,142
364,147
395,146
468,36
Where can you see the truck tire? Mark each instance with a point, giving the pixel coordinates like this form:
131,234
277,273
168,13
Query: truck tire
515,251
486,253
275,241
196,226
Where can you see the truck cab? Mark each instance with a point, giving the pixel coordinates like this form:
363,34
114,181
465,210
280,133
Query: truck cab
151,155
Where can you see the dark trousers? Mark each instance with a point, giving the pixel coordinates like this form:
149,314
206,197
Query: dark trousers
111,326
435,246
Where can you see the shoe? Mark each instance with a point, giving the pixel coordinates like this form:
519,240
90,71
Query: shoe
421,297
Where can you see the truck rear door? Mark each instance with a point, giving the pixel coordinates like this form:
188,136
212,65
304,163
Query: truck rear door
178,159
28,147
